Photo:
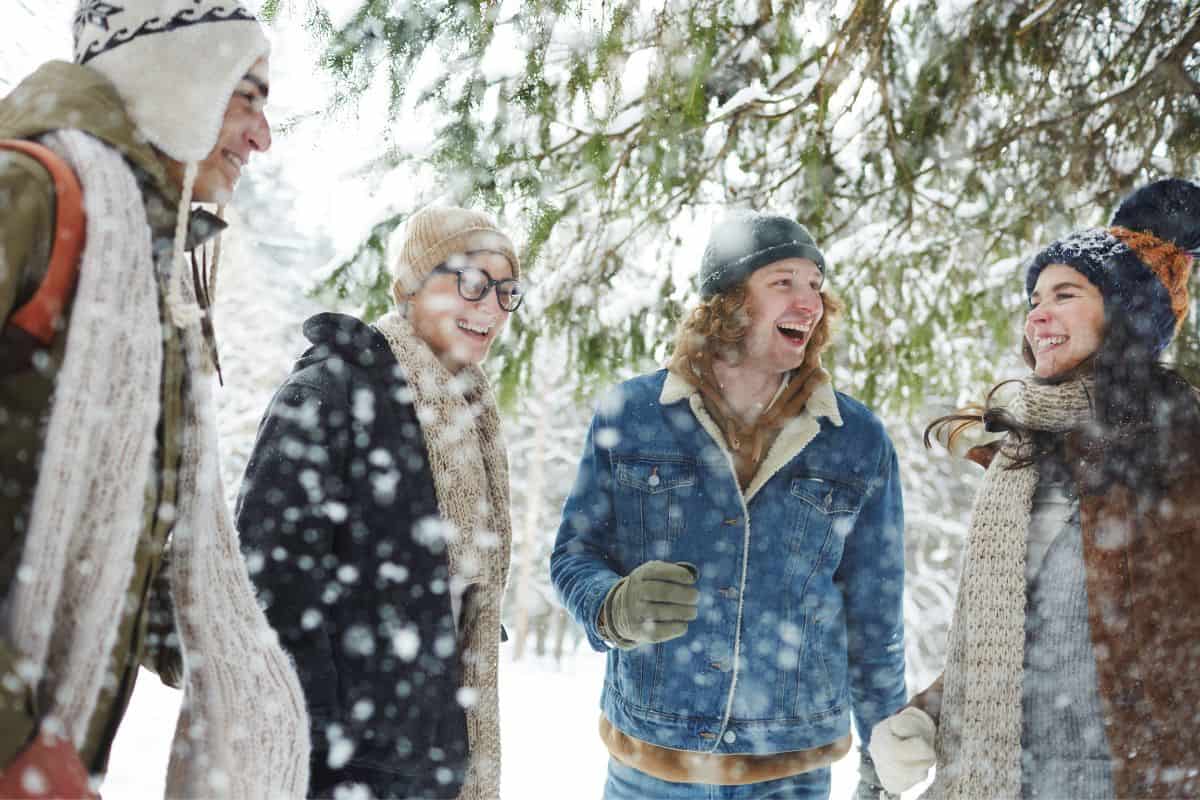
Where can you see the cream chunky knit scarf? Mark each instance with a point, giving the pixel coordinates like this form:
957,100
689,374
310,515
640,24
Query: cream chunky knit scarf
461,426
979,733
243,729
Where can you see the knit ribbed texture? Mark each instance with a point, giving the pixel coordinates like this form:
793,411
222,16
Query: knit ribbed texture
244,729
1064,747
62,619
467,456
435,233
979,734
244,710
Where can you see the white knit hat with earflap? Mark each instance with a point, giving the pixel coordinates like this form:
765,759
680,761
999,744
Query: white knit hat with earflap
175,63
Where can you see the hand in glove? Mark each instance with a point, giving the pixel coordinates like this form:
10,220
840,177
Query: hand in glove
902,748
869,785
653,603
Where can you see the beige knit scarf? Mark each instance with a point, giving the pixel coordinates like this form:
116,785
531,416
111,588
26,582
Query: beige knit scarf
467,456
243,731
979,733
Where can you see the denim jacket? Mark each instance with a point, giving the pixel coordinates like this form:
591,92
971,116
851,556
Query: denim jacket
801,576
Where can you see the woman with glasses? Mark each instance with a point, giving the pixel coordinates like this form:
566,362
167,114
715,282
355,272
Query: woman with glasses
374,515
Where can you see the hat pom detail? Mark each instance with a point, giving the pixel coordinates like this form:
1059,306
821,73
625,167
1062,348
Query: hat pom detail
1168,209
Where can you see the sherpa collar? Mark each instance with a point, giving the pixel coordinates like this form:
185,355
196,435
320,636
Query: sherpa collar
823,402
795,435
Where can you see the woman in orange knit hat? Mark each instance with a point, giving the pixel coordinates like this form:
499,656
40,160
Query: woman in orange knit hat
1070,669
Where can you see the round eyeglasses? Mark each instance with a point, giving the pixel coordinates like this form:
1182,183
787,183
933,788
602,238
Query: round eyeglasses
474,284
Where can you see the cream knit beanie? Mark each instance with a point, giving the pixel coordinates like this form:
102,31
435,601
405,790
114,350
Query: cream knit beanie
175,64
435,233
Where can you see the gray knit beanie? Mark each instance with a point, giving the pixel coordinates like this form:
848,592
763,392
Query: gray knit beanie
748,241
435,233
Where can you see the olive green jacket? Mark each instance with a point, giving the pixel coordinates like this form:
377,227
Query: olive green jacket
61,95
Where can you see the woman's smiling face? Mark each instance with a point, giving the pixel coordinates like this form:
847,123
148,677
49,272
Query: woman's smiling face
1065,324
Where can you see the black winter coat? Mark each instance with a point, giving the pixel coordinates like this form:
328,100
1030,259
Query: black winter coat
329,513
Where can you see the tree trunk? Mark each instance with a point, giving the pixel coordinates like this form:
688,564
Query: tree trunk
528,549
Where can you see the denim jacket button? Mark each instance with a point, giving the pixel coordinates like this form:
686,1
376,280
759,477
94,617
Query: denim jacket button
654,480
730,737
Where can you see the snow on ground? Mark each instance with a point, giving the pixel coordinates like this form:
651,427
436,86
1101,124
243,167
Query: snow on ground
548,716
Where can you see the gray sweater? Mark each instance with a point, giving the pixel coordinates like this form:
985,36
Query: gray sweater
1064,749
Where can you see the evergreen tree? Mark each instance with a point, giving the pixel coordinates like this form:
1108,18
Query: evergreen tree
930,146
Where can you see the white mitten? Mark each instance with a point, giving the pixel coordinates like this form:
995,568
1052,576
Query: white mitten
902,748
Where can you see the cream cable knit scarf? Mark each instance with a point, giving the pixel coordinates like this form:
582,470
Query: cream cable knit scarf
979,735
470,474
243,731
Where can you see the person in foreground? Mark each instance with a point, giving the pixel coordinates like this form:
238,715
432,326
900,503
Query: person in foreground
108,452
1071,666
734,541
375,516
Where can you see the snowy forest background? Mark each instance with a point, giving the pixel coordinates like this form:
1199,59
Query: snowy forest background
930,146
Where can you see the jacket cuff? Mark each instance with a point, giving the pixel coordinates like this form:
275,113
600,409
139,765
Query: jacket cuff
587,612
607,633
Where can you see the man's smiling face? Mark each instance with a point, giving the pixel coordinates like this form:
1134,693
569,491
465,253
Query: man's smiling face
244,130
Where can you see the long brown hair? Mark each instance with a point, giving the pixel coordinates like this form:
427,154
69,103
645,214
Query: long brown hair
1140,404
1026,446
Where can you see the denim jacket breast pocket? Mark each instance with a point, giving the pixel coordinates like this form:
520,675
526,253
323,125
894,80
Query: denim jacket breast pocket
651,495
825,509
833,497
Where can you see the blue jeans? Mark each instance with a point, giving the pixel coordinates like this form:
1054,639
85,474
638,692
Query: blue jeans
627,783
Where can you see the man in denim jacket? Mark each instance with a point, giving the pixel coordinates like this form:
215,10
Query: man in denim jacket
734,541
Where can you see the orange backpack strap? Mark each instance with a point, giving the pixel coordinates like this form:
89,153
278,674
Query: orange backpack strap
39,317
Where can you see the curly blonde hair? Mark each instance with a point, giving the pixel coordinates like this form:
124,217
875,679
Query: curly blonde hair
717,327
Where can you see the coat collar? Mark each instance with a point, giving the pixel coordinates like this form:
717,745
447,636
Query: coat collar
823,402
795,435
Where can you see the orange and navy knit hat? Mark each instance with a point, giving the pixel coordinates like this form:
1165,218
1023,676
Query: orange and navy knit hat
1141,262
